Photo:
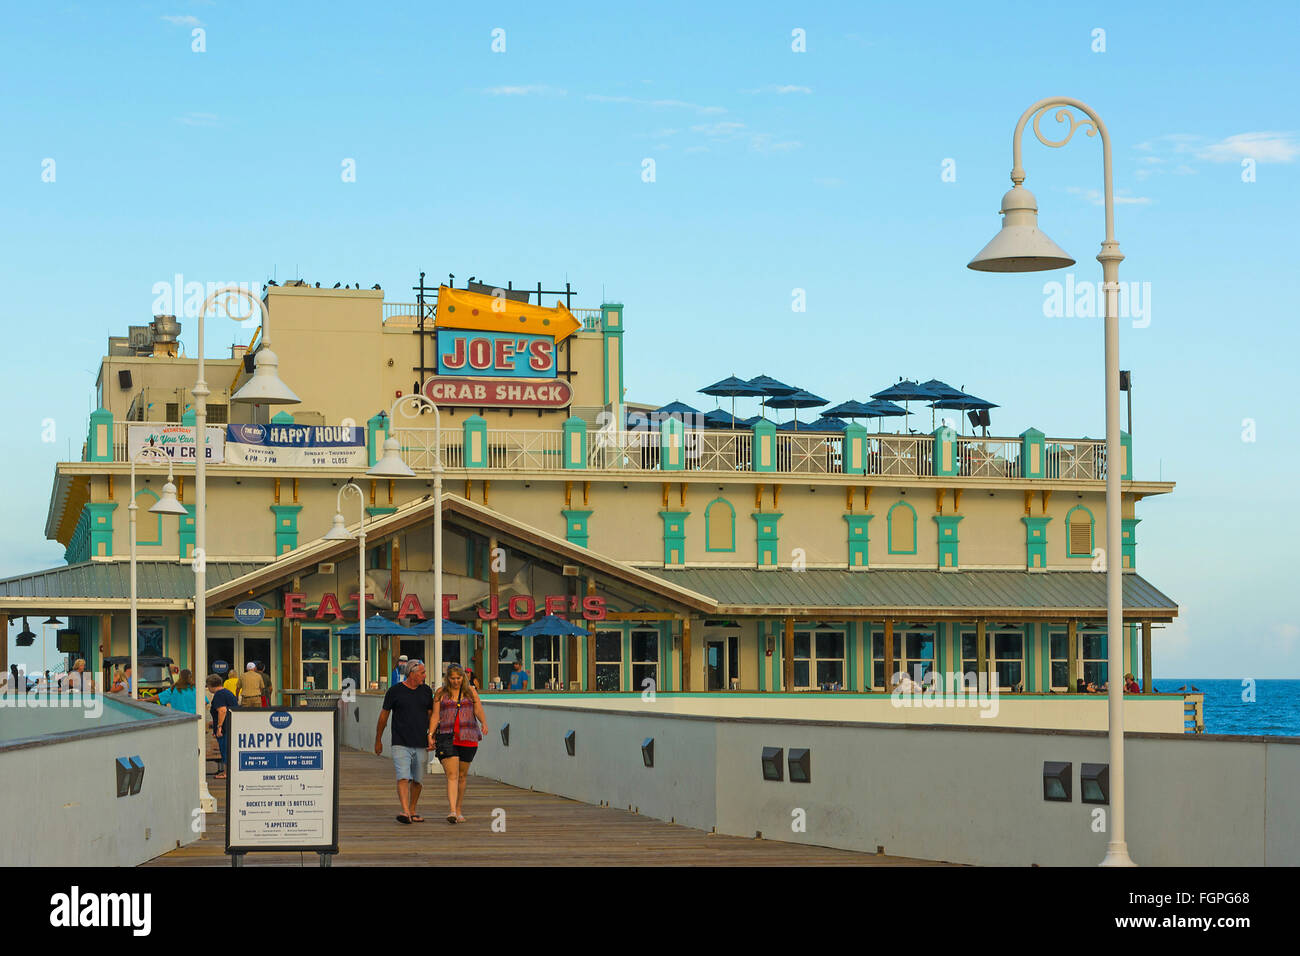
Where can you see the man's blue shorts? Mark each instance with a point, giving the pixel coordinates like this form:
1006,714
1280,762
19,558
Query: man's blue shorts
409,762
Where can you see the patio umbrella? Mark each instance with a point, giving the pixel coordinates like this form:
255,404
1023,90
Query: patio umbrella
823,424
732,386
551,626
771,388
376,624
943,390
721,419
797,400
850,409
906,391
883,409
674,410
965,403
450,628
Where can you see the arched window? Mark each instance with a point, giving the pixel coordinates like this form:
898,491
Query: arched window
719,526
148,528
1079,532
902,528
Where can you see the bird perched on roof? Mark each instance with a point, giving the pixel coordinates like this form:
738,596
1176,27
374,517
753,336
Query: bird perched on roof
318,285
337,284
271,282
375,286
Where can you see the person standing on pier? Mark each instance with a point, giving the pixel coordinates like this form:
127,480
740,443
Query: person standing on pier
455,729
410,702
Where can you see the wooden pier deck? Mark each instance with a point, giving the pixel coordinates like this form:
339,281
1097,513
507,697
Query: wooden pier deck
541,830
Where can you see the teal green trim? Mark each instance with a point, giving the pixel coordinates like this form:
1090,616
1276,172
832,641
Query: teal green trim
760,629
851,649
1126,451
575,442
1033,455
1128,541
142,516
626,669
946,461
475,442
376,434
185,533
1092,533
575,526
1035,542
889,527
101,528
709,545
859,537
1028,630
611,326
286,527
281,418
674,536
763,450
377,511
672,445
855,449
99,437
766,538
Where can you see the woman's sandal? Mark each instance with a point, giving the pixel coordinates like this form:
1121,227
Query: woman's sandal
416,818
451,818
403,818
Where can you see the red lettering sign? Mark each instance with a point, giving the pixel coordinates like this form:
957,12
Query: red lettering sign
555,603
411,607
498,392
329,604
522,608
293,606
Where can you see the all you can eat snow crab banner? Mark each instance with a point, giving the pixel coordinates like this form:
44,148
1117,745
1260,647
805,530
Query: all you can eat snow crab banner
296,446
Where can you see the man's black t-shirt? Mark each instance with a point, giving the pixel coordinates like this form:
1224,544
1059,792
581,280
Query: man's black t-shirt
410,710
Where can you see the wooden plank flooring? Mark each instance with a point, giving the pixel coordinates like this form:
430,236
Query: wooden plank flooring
542,830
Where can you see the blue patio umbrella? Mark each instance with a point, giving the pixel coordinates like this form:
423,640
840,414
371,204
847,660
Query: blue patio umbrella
721,419
882,409
771,388
732,386
450,628
942,390
674,410
907,391
797,400
823,424
376,624
551,626
849,409
963,403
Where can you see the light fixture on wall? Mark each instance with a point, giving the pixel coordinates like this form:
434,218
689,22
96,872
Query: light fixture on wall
800,766
570,741
772,769
505,735
648,751
1056,781
1094,783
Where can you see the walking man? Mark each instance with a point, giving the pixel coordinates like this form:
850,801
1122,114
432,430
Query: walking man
410,702
250,687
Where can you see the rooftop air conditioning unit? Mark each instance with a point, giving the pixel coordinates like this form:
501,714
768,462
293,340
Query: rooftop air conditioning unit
141,337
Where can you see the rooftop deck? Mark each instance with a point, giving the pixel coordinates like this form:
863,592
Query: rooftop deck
541,830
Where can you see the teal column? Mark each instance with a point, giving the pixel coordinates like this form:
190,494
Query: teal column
674,537
672,444
626,669
286,527
99,439
764,447
101,528
947,539
575,526
376,435
1031,660
1126,455
611,328
476,442
185,533
1035,542
281,418
766,537
1032,454
1128,541
575,442
858,535
855,449
946,461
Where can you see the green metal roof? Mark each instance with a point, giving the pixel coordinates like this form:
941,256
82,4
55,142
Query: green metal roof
1037,593
110,582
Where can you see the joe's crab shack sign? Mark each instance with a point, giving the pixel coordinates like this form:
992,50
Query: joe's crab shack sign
496,353
521,607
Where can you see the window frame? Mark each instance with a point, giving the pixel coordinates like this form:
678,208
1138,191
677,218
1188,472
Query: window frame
607,663
889,528
708,528
991,658
634,663
1069,535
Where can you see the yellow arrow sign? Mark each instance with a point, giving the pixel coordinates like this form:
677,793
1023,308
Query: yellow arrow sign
461,309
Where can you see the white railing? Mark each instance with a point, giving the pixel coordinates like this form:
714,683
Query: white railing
418,446
903,455
722,450
610,450
811,454
1071,459
520,450
989,457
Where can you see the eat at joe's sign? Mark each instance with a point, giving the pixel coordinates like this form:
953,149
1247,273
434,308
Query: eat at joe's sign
521,607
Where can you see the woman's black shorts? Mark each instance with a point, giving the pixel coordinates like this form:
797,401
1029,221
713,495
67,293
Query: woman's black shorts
445,749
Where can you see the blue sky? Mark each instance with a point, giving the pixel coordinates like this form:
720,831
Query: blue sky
774,170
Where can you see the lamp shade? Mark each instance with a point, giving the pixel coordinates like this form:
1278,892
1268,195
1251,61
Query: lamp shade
1020,246
265,387
391,465
167,504
337,532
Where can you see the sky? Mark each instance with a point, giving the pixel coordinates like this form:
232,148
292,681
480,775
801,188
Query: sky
712,167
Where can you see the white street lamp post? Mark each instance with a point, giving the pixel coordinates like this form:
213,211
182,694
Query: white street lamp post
339,533
392,466
1021,247
264,388
166,505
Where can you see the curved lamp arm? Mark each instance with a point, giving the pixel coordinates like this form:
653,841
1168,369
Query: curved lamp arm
416,403
1093,124
148,453
351,488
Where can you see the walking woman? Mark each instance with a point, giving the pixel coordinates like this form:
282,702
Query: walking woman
456,725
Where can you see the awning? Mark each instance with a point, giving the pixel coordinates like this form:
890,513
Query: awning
98,586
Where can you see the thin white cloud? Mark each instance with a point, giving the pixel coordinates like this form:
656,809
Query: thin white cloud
763,143
184,21
1263,147
725,128
780,90
1095,197
655,104
534,90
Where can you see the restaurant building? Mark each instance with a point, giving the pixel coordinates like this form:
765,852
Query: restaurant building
748,560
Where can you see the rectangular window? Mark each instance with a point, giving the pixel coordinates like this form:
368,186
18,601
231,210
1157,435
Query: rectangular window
1004,652
609,660
1059,649
150,639
733,660
510,648
819,658
546,659
645,658
316,657
350,659
1092,648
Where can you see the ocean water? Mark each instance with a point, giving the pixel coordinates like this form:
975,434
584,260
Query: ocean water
1274,712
